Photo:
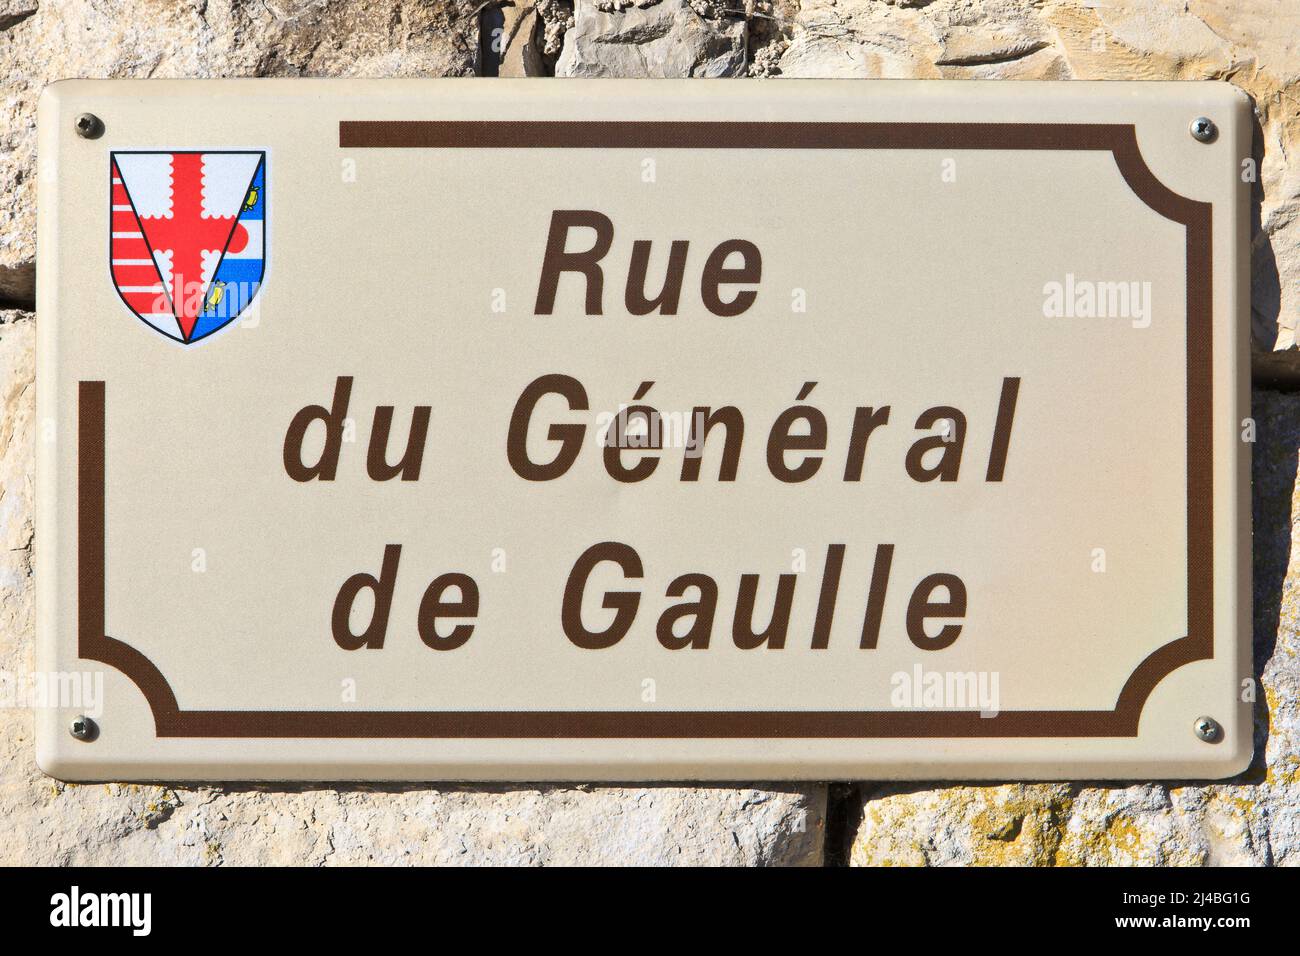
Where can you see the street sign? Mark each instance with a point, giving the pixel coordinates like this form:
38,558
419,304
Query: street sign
638,430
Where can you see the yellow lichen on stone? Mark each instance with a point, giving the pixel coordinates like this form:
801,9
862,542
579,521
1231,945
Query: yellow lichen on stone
1013,824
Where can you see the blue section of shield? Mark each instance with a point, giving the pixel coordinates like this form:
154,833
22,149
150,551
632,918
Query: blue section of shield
237,279
258,210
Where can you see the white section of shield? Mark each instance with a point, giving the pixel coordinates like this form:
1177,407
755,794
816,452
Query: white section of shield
164,322
211,257
163,259
253,249
148,180
226,178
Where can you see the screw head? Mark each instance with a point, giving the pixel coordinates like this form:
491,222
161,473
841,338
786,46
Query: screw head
89,126
83,728
1203,130
1208,729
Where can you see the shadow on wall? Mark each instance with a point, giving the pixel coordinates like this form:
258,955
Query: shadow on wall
1277,418
1268,371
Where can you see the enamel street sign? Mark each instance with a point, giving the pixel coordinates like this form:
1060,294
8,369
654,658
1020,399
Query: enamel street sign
643,430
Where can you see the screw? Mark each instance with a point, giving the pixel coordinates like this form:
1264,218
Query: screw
1203,130
89,126
1208,729
83,728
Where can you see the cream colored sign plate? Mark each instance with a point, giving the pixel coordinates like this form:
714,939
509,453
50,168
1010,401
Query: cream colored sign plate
372,418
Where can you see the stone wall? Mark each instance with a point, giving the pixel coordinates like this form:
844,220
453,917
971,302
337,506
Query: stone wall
1255,819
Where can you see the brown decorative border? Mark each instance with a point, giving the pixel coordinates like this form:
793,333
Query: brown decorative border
1198,644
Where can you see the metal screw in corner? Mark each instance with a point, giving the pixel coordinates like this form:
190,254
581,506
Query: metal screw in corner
83,728
89,126
1208,729
1203,130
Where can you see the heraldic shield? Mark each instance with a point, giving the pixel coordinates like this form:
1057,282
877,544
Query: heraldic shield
187,244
